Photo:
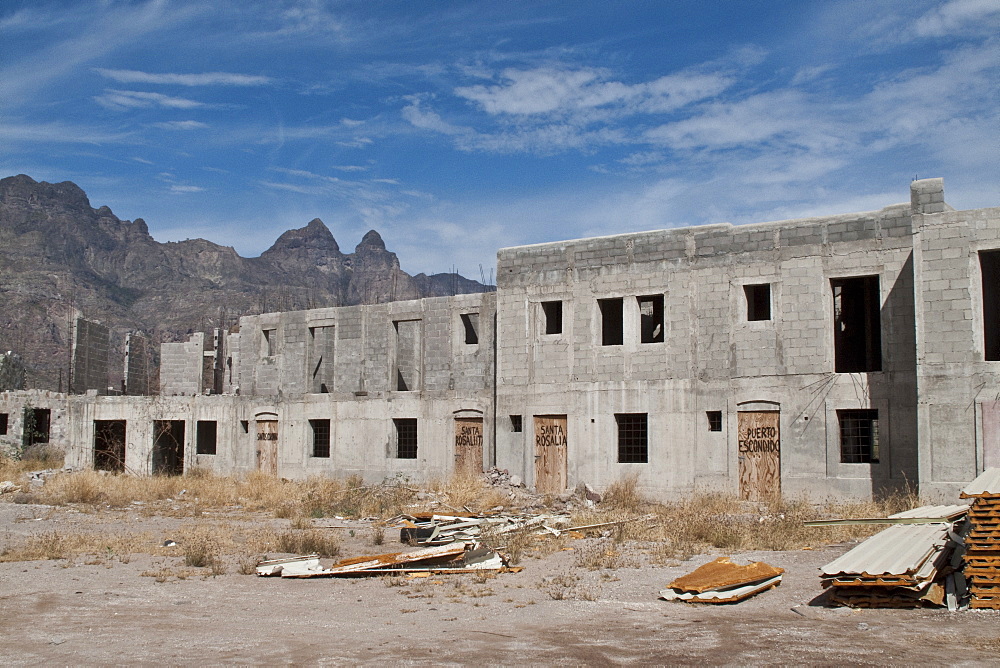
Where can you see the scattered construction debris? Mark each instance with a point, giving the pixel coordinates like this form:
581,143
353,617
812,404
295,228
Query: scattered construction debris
457,557
722,581
434,529
982,556
907,565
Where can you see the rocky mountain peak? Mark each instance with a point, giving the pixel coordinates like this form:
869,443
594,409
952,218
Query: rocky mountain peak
372,241
315,236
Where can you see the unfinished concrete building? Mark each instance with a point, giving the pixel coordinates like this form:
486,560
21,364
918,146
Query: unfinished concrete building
841,356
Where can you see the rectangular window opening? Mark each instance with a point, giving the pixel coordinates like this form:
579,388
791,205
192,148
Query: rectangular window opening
321,437
206,437
516,425
714,420
612,324
470,322
406,438
858,436
246,426
651,318
109,445
36,425
270,342
408,349
989,263
3,424
321,347
168,447
857,333
758,301
633,443
553,312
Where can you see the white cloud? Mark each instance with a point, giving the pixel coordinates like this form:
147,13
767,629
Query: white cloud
119,100
202,79
181,125
60,133
178,189
959,16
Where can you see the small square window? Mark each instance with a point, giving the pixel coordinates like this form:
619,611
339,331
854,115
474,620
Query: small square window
714,420
553,313
321,437
406,438
515,424
858,436
470,322
246,426
633,443
758,301
206,437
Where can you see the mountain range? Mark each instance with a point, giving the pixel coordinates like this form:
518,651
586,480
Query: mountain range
60,258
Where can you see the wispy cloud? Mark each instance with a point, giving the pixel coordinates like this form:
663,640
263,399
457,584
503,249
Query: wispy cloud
181,125
183,190
61,133
119,100
201,79
959,16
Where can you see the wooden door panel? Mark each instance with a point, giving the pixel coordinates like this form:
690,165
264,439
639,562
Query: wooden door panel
468,446
759,441
550,454
267,446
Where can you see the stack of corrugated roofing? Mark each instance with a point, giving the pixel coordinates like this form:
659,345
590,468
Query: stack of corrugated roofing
905,566
982,557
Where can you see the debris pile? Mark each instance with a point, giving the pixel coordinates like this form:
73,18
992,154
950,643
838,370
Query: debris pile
722,581
982,557
434,529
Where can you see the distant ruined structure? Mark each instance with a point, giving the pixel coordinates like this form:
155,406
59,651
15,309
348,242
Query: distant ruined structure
844,356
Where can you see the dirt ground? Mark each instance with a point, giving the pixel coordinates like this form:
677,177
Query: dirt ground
150,609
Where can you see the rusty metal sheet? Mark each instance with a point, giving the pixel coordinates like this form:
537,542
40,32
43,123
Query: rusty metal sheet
723,573
729,595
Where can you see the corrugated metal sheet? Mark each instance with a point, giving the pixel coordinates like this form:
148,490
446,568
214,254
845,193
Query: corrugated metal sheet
934,512
988,482
900,549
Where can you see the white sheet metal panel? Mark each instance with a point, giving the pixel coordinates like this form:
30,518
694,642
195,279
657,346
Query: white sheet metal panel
988,483
902,549
934,512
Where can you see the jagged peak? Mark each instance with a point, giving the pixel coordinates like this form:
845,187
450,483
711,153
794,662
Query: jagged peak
371,241
315,235
66,191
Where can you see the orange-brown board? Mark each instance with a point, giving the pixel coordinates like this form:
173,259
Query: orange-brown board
759,446
469,446
550,454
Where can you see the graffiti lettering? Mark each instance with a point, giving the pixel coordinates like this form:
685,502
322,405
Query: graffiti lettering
264,436
550,435
759,445
469,436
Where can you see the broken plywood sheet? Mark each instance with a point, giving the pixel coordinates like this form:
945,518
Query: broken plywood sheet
723,573
274,567
727,595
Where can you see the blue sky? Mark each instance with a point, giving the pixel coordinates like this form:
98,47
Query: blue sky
457,128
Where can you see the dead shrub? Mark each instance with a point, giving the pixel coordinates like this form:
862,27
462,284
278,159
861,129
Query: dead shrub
604,554
623,495
311,541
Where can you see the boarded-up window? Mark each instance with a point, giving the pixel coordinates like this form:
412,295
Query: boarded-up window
714,420
633,442
552,313
612,325
758,301
858,436
407,355
989,263
406,438
470,326
321,437
206,437
321,348
651,318
857,327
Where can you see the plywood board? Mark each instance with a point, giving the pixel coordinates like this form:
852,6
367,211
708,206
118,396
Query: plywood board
469,446
267,446
759,447
551,444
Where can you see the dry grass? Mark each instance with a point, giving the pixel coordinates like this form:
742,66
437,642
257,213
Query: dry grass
472,492
51,545
311,541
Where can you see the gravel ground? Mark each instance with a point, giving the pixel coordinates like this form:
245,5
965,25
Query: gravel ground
113,609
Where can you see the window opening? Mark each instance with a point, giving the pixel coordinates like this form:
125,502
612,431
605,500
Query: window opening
470,321
714,420
270,342
206,437
3,424
758,301
612,326
168,447
406,438
321,437
651,318
857,328
321,346
858,436
109,445
516,425
989,263
246,426
633,444
35,426
407,355
553,312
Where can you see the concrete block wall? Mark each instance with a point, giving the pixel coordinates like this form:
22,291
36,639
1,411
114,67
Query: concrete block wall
13,403
136,375
91,341
182,366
